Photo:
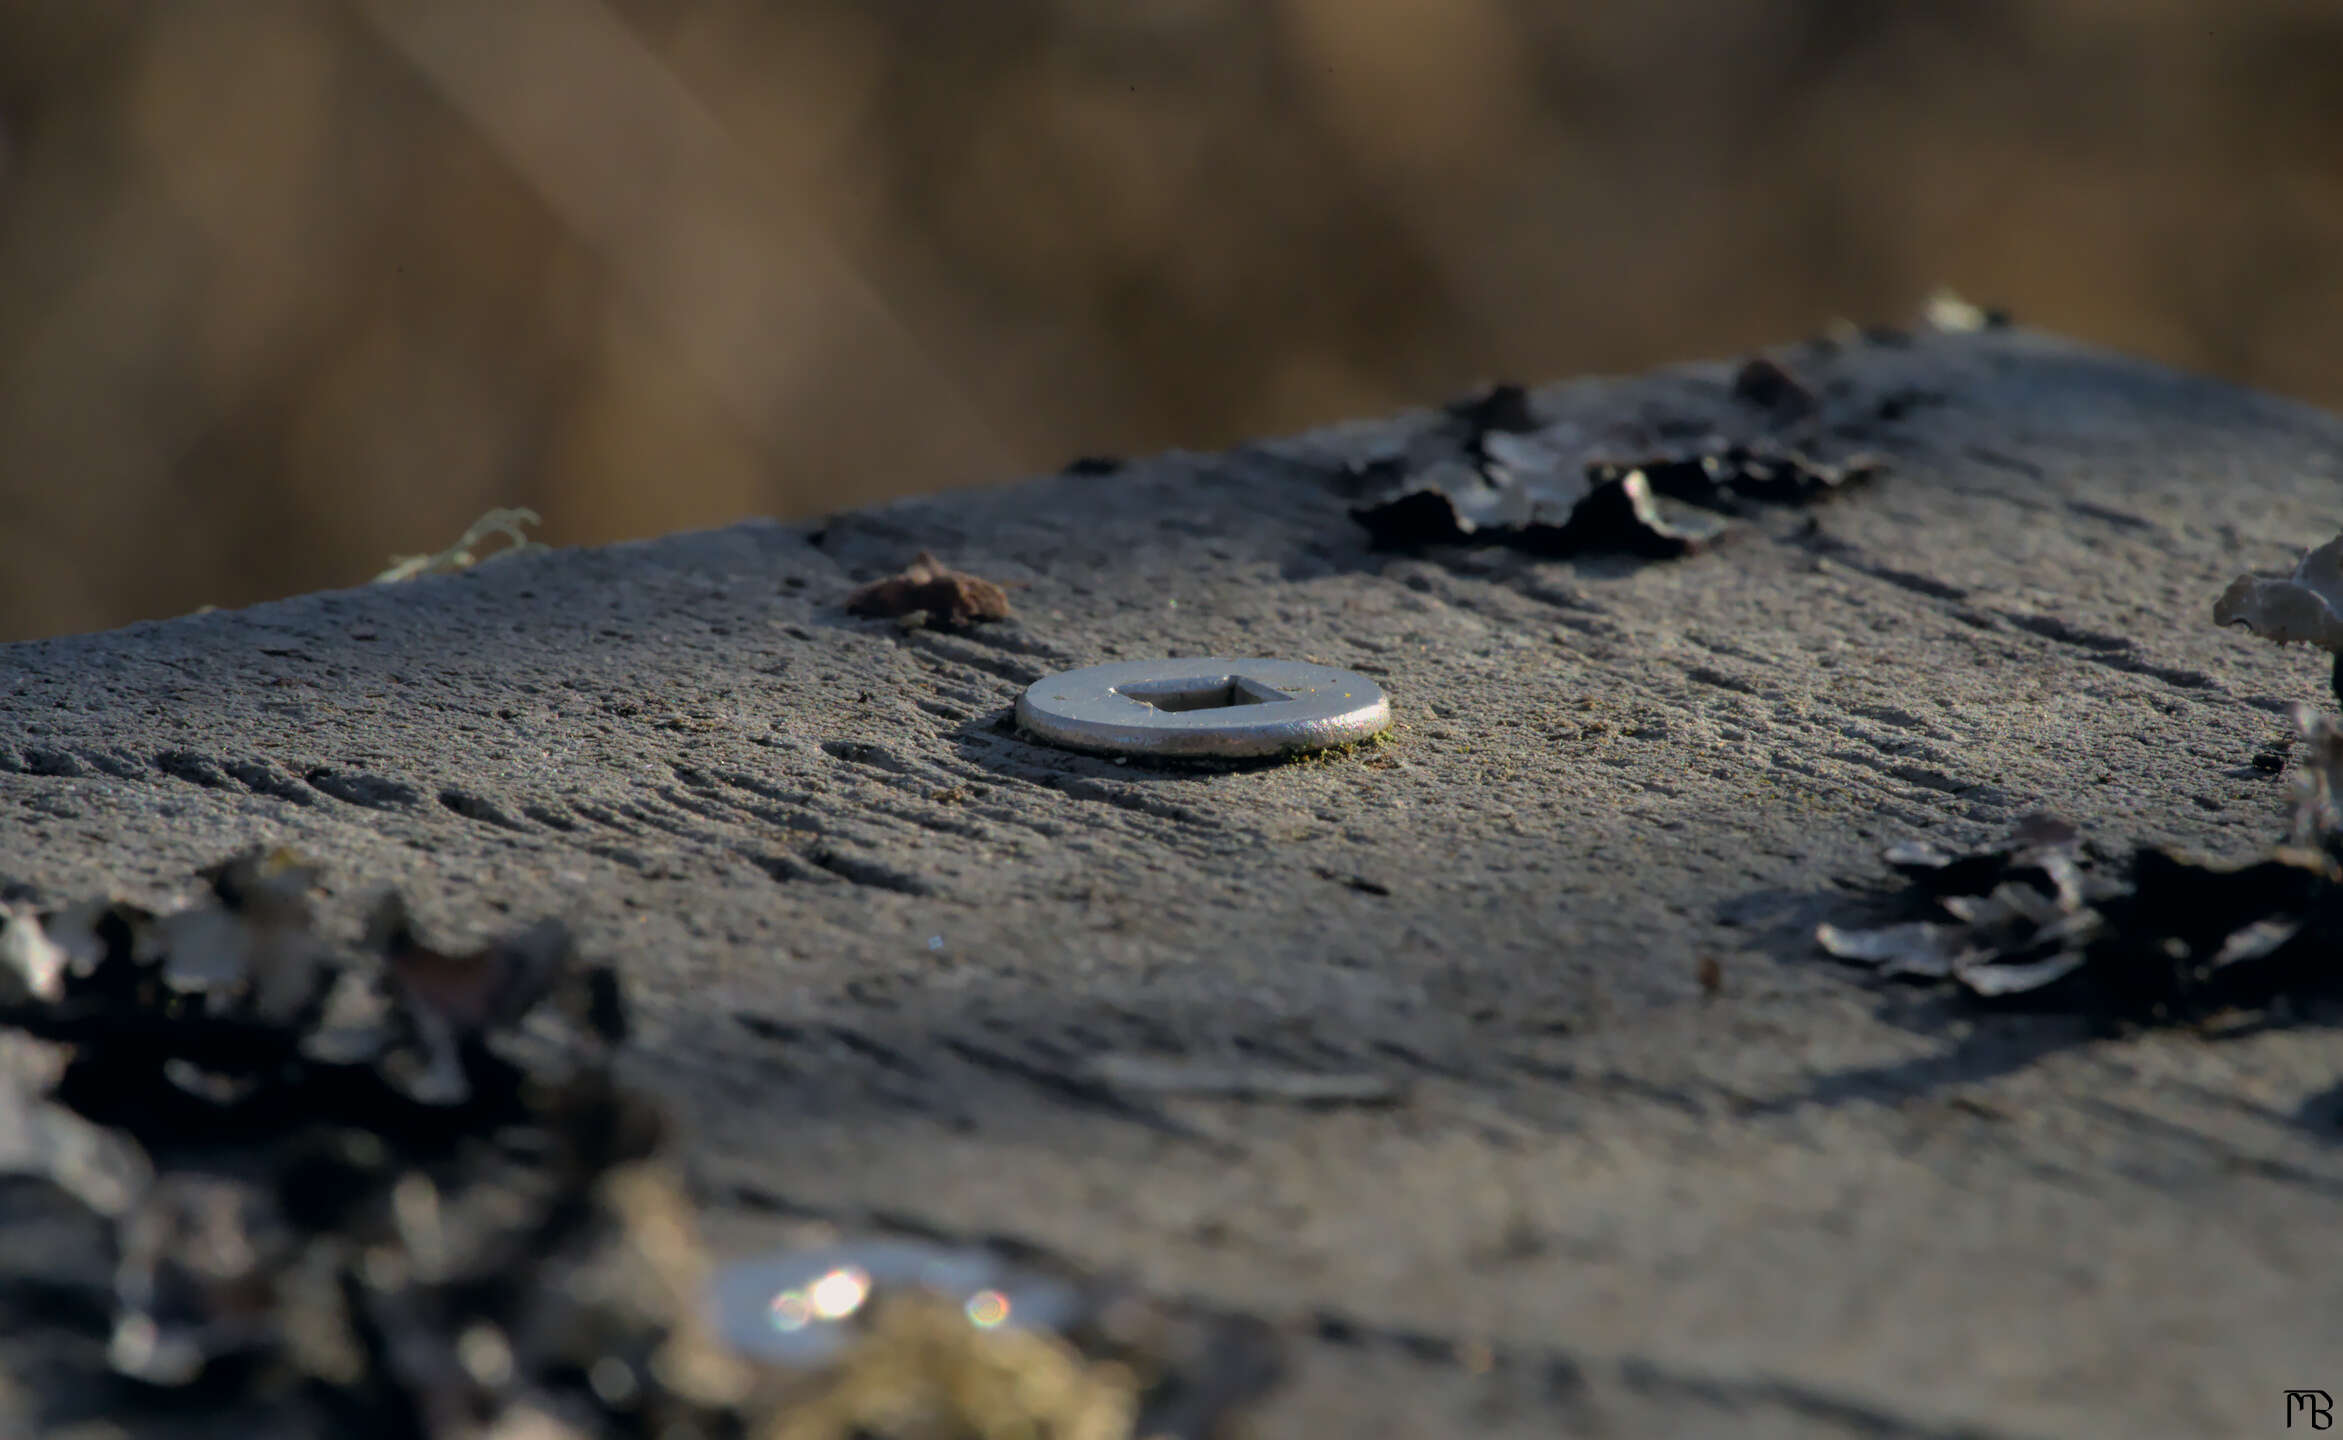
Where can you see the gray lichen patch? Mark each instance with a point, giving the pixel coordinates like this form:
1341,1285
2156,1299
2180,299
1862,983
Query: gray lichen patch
2304,607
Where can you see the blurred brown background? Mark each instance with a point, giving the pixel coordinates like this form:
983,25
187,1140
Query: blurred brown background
289,286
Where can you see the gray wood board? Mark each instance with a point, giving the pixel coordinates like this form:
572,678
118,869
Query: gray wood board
878,938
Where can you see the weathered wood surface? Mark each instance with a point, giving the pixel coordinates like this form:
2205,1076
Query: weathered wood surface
879,937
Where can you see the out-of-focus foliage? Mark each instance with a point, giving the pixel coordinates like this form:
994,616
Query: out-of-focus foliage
288,287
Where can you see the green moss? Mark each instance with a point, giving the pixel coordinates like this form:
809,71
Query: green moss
1349,750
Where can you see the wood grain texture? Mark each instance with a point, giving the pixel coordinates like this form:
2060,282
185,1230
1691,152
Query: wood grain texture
1657,1167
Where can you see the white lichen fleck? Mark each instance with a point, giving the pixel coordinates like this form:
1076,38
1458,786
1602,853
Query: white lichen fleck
463,554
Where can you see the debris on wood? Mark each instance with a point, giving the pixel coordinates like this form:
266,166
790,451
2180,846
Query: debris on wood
465,553
1769,386
949,599
261,1183
1534,500
2303,607
2164,938
1500,409
1736,478
2008,919
1495,471
2318,784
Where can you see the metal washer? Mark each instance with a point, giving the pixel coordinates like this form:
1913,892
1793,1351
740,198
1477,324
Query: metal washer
1208,707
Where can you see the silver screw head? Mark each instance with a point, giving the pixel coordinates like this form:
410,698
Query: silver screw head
1207,707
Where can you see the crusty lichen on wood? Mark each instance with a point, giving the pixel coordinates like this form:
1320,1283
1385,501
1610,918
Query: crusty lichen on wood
2303,607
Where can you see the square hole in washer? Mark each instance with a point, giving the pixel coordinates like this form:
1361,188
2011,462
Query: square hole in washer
1203,692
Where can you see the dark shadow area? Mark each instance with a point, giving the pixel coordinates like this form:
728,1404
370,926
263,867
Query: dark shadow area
2321,1115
